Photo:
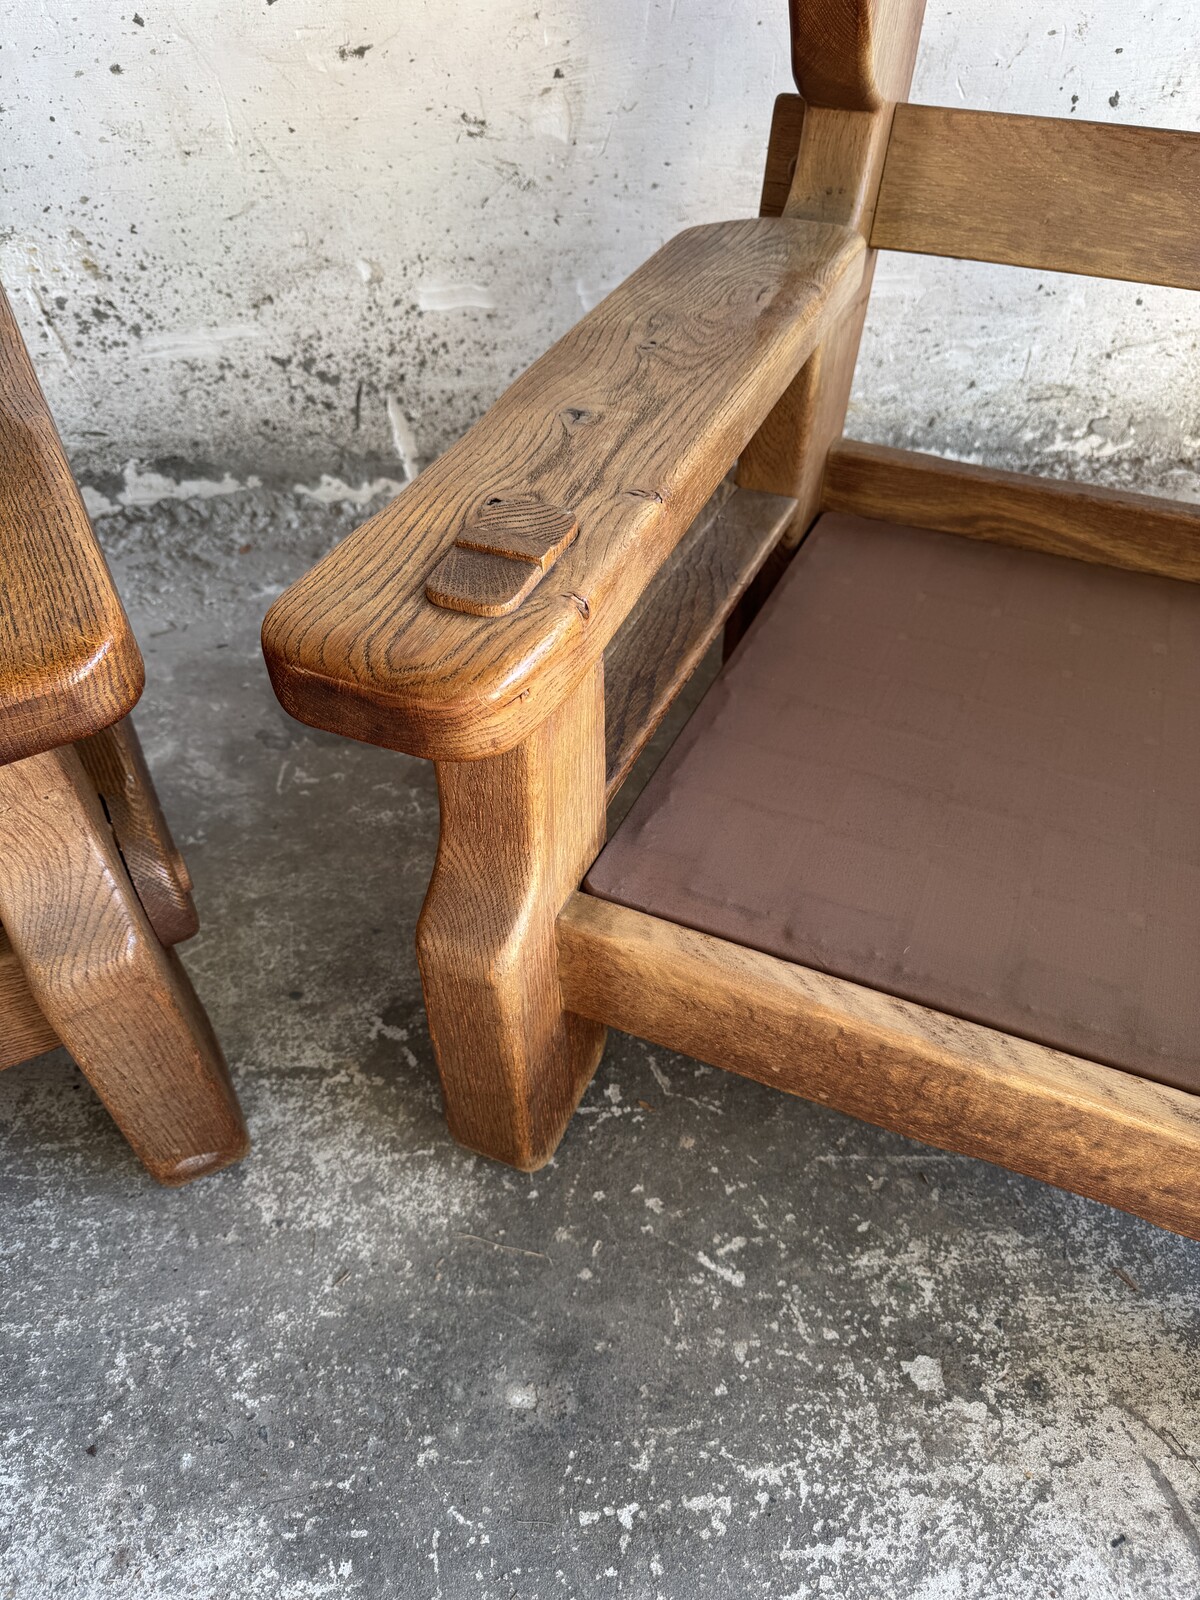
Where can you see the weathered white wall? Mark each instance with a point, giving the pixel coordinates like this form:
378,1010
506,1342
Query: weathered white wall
1064,375
307,236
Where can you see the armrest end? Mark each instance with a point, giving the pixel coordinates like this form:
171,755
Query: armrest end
69,664
626,426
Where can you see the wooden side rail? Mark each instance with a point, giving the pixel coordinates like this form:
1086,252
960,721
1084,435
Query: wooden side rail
69,664
665,636
24,1030
627,425
1107,526
1092,197
1090,1129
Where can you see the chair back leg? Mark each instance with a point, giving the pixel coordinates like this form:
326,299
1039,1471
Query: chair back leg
119,1001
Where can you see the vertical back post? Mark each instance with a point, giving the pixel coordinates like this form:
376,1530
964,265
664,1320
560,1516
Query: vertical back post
852,61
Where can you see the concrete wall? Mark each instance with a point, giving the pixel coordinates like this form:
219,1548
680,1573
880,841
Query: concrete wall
304,237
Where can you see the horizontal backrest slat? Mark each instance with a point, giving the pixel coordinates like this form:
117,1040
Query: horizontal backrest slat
1097,198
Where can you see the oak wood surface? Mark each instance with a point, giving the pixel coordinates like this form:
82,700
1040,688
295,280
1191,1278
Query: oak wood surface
24,1031
1084,1127
500,554
1090,197
120,1003
1110,527
787,455
69,664
518,831
480,584
666,635
114,761
853,60
783,144
854,55
713,348
631,421
524,527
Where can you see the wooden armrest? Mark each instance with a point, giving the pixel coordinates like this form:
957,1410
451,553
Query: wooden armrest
624,429
69,664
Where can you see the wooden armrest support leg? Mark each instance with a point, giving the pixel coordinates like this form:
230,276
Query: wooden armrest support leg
113,760
519,831
119,1002
850,84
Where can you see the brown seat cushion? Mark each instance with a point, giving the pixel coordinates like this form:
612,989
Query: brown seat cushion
960,773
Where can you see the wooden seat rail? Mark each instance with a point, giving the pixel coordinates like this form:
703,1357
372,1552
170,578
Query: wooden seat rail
1110,527
1084,1127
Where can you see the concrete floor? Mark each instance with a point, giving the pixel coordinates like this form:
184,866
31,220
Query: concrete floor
727,1344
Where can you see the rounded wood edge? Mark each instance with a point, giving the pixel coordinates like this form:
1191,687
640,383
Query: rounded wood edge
189,1168
854,55
354,648
116,764
495,717
521,1158
95,685
1088,1129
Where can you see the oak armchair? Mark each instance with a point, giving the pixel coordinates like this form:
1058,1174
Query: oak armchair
94,894
911,857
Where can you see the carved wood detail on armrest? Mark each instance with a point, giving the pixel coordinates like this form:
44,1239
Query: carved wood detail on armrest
505,549
630,421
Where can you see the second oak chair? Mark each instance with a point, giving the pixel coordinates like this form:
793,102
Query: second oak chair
93,893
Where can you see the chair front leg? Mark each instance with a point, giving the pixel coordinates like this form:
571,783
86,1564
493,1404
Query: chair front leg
119,1002
518,832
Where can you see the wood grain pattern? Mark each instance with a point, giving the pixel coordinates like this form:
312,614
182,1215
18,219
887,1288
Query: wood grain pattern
120,1003
524,527
1110,527
666,635
783,145
24,1031
854,55
500,554
631,420
518,832
69,664
787,454
1088,197
114,761
1087,1128
867,51
733,339
479,584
